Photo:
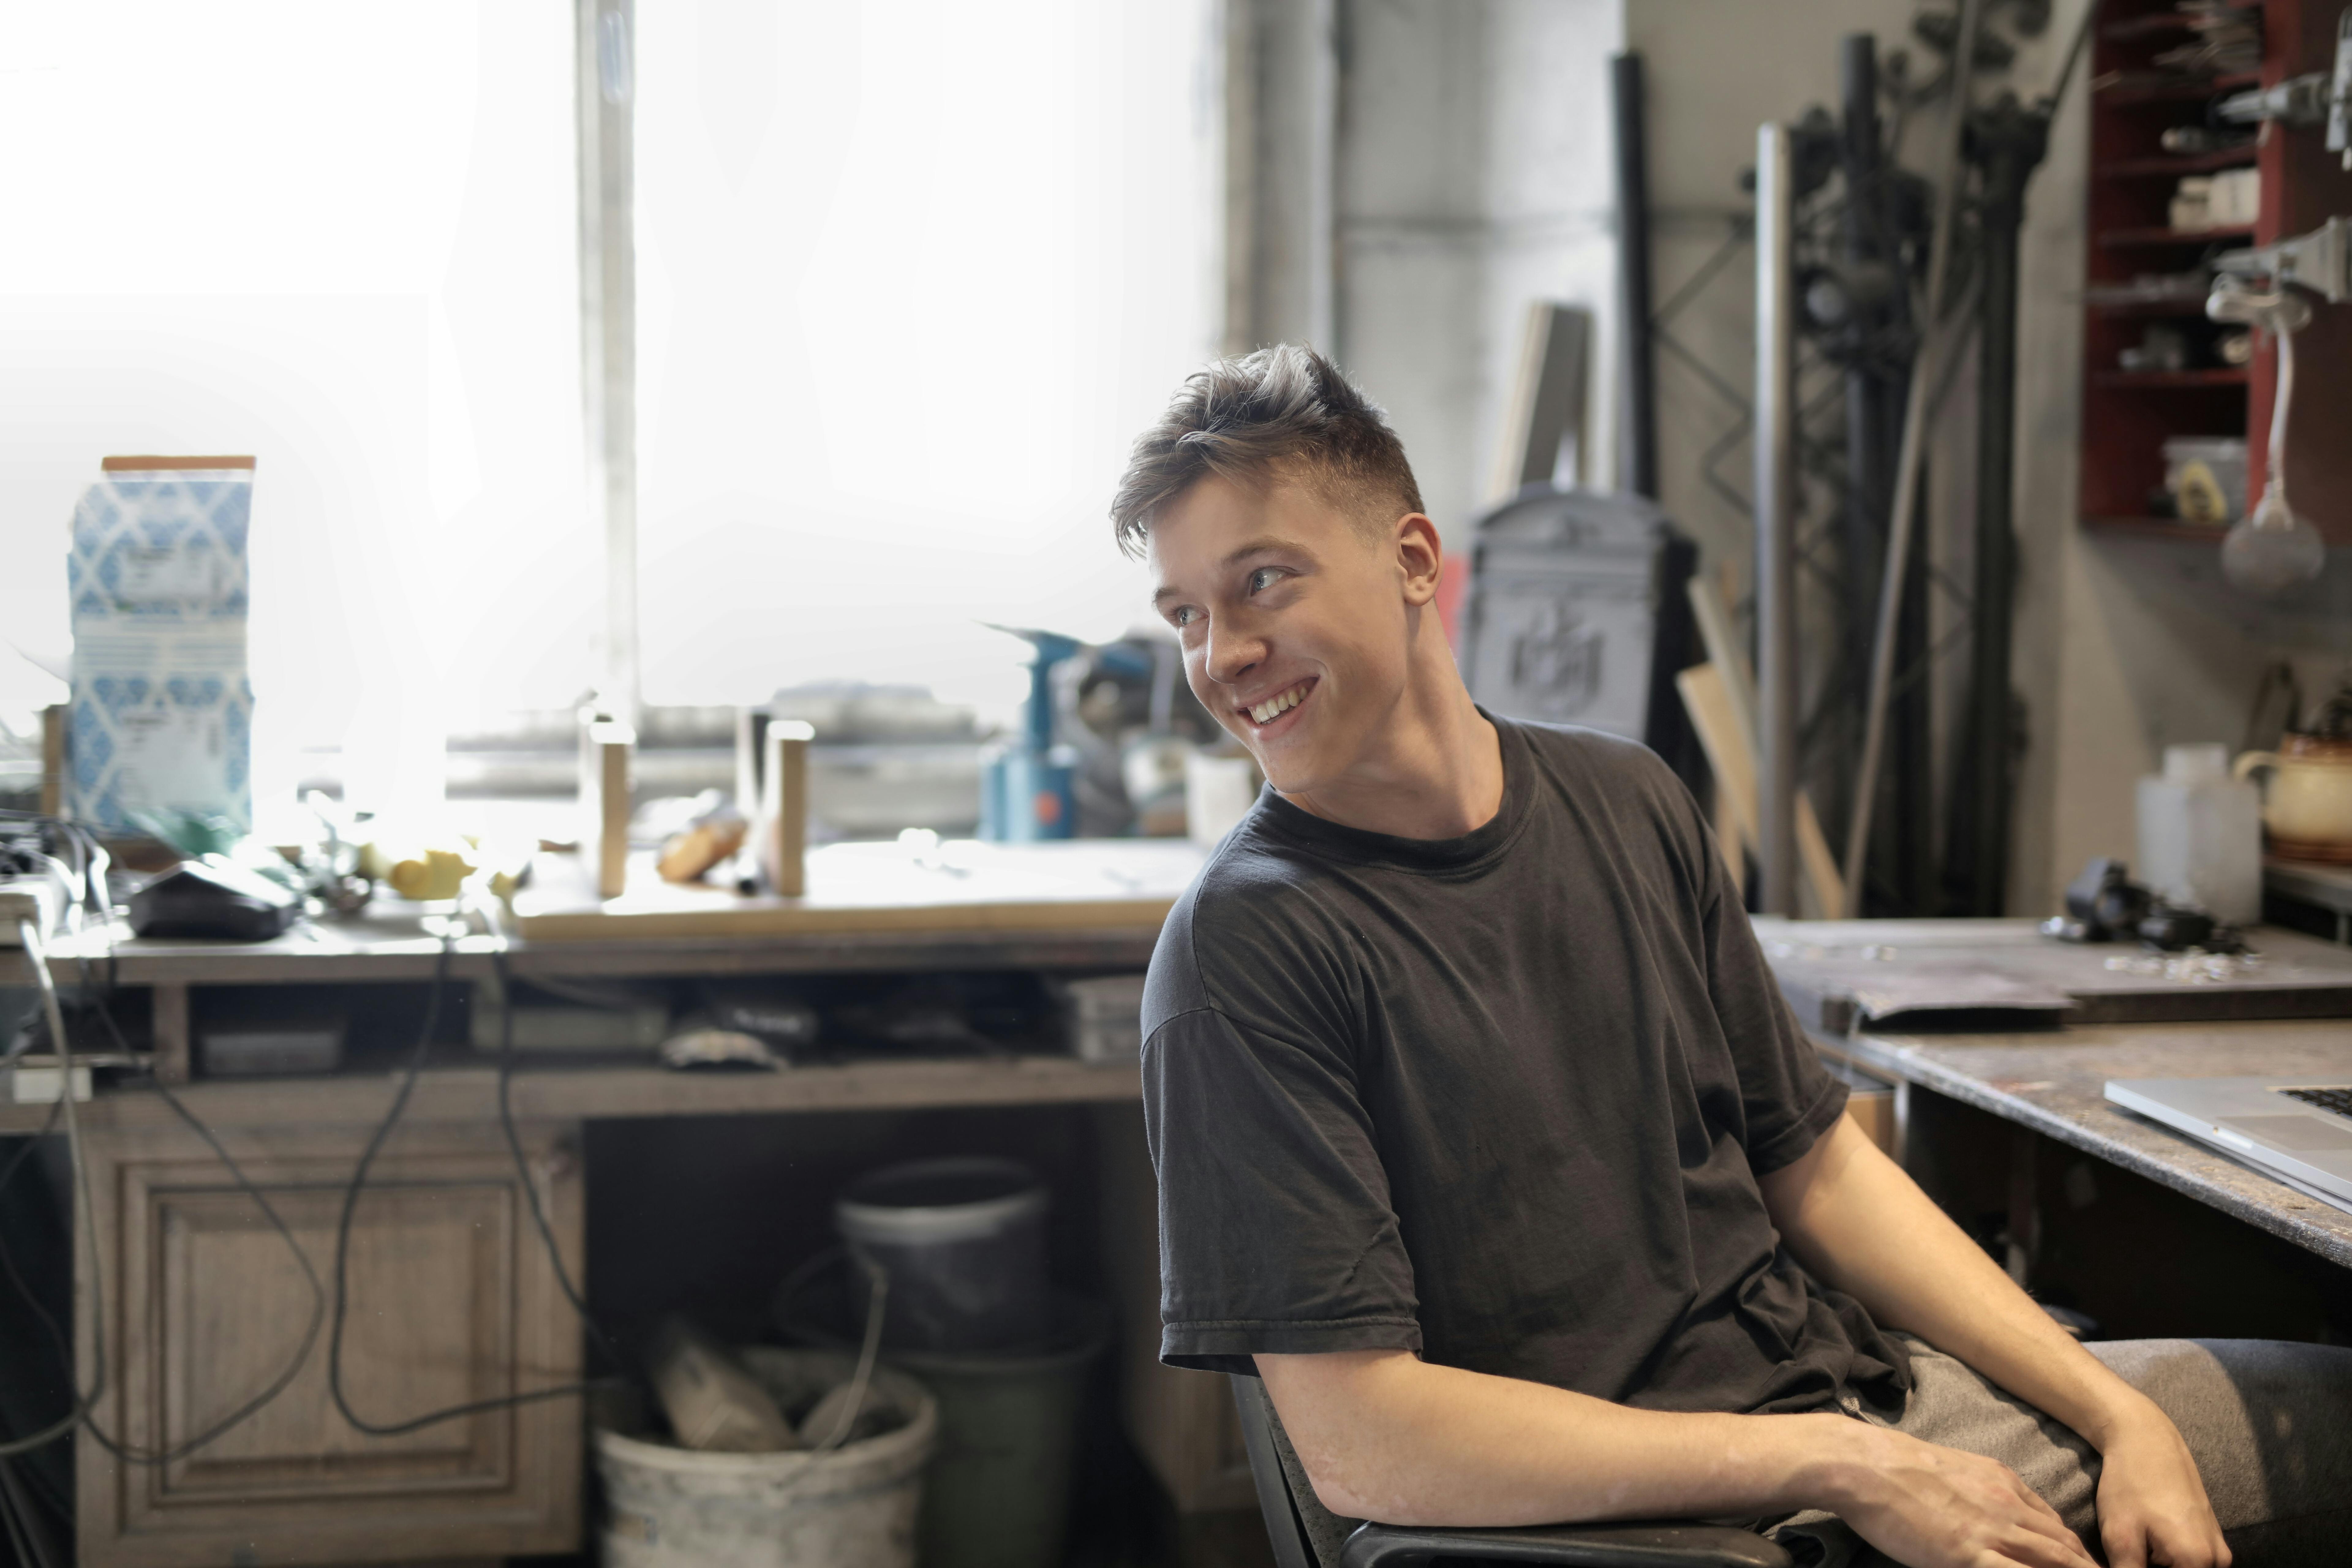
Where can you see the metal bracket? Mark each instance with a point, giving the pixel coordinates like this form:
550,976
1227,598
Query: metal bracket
2320,261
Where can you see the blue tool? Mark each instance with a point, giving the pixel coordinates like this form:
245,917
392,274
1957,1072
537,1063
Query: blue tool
1027,789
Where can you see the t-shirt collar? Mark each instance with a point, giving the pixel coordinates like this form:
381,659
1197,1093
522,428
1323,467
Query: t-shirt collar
1356,845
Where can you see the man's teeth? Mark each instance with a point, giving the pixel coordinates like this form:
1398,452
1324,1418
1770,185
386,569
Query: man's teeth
1273,708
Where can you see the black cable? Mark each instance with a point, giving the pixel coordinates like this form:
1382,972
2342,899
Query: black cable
277,1385
47,1318
83,1401
90,860
25,1531
351,1203
85,1413
522,1166
19,1540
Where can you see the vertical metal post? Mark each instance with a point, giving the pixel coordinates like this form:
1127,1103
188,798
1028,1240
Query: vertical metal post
2006,140
1776,553
605,57
1925,369
1639,438
1870,413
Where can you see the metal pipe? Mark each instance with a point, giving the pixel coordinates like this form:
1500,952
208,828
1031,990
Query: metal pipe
1870,412
604,44
1913,454
1991,700
2008,140
1638,441
1775,551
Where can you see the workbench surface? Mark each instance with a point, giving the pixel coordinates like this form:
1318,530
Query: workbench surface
1082,904
2053,1082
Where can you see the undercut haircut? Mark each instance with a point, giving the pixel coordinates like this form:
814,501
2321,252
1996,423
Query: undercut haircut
1281,415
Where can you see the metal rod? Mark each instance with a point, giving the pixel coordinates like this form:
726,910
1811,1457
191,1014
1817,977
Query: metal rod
1776,543
604,51
1907,462
1638,359
2008,141
1870,408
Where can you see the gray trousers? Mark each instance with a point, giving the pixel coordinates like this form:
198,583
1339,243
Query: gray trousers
2270,1424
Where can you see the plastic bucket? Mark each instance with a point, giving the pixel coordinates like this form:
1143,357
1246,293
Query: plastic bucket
997,1492
855,1507
963,1244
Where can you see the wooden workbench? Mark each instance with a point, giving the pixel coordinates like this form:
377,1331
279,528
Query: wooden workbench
461,1299
1076,906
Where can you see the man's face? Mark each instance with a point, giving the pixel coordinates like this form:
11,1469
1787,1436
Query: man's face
1293,624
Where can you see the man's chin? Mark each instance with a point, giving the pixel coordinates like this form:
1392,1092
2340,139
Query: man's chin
1288,773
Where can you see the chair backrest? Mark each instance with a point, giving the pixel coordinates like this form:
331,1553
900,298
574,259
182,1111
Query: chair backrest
1304,1533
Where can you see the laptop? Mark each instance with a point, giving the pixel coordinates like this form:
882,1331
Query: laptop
2299,1131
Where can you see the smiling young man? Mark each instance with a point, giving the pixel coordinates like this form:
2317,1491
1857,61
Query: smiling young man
1485,1137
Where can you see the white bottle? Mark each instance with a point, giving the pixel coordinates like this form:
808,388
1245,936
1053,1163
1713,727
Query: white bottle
2200,834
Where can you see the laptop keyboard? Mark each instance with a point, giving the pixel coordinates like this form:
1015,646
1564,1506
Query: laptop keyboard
2339,1100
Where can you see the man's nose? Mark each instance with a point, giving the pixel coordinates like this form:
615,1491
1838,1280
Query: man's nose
1233,654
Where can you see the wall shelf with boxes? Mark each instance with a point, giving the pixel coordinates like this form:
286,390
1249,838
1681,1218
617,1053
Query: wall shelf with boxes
2170,399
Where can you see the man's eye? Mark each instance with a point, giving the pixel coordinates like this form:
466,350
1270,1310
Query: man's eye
1183,615
1265,577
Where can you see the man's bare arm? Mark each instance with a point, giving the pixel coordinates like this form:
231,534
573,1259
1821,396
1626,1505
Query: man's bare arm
1385,1436
1861,1225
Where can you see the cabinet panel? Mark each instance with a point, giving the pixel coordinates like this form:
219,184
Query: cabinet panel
452,1298
432,1294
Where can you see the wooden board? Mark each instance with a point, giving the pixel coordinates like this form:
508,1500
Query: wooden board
959,885
470,1094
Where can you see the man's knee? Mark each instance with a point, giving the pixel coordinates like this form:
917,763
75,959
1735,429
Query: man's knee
2269,1421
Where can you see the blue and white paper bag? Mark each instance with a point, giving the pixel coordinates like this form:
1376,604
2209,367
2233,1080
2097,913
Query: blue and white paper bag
162,719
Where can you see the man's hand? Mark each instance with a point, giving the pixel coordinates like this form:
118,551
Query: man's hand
2152,1505
1939,1507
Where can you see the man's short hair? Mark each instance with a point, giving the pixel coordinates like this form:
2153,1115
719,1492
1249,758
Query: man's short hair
1283,412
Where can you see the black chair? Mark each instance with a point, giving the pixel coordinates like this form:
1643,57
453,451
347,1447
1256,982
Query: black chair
1307,1535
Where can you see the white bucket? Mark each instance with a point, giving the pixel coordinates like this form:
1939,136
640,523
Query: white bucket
855,1507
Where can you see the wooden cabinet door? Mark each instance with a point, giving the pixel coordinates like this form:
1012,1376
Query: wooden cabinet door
452,1298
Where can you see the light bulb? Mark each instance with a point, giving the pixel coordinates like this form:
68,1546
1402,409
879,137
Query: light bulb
2273,550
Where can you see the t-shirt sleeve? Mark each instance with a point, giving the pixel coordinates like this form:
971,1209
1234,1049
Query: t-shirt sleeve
1275,1233
1788,1098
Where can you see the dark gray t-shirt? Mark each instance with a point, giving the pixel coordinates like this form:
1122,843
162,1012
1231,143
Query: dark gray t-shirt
1501,1099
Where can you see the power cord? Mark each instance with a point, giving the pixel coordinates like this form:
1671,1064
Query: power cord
87,870
85,1405
531,1192
28,932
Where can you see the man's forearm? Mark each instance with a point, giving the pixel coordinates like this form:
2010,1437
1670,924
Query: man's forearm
1862,1227
1450,1447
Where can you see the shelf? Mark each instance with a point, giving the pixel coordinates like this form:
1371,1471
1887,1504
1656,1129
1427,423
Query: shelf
2177,164
2160,23
2160,528
2119,238
2225,376
2183,307
2180,92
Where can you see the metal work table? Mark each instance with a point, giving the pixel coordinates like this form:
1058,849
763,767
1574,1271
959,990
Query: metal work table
2051,1082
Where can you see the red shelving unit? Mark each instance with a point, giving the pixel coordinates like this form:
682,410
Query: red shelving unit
2128,414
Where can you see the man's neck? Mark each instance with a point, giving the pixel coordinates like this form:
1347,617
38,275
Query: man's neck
1437,773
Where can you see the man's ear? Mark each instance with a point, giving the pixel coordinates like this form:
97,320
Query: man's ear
1419,557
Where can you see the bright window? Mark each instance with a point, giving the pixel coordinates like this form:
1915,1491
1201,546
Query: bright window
341,239
911,278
